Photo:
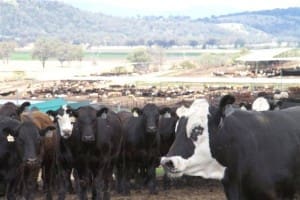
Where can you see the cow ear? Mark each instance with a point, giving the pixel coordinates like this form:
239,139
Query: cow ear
181,111
23,107
52,114
44,132
166,112
226,100
73,112
10,132
136,112
102,113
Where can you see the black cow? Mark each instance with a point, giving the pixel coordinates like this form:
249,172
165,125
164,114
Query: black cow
262,162
20,157
95,146
166,130
260,150
142,146
10,109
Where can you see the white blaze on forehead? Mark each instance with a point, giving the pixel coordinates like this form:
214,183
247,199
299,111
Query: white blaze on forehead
65,121
197,115
260,104
181,111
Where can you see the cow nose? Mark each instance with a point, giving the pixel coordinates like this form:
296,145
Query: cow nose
31,161
169,165
66,133
88,138
152,129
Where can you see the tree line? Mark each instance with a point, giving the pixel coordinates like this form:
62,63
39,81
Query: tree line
46,48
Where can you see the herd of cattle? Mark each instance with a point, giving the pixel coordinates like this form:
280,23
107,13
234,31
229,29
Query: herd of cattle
253,149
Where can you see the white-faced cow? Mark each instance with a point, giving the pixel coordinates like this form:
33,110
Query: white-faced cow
190,153
64,158
260,150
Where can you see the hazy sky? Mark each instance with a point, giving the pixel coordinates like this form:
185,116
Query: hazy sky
193,8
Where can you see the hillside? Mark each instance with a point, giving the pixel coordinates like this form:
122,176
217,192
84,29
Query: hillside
283,24
26,20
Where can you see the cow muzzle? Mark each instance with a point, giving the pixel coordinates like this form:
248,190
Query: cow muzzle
32,161
173,166
151,129
66,133
88,138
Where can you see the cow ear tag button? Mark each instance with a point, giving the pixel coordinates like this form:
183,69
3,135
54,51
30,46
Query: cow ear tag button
10,138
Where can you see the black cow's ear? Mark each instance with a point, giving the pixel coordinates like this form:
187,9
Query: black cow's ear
226,100
44,131
52,114
23,107
136,112
166,112
73,112
9,131
102,113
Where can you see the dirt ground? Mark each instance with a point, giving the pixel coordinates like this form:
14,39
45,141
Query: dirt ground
193,189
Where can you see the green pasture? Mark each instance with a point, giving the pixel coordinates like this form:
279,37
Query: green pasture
26,56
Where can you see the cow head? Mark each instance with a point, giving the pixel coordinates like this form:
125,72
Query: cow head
85,123
150,115
64,119
10,109
27,138
167,123
190,153
5,138
260,104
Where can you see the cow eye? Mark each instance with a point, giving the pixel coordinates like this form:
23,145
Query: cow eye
196,132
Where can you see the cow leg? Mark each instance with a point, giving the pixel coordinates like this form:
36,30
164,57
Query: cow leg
152,179
82,183
97,184
11,190
128,170
64,178
119,175
48,177
166,182
107,181
232,186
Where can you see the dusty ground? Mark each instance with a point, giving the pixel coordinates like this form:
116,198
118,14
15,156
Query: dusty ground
198,189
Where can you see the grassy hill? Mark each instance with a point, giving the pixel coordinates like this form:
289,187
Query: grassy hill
25,20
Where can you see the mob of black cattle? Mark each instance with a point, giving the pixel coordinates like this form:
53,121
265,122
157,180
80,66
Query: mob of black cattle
259,151
91,146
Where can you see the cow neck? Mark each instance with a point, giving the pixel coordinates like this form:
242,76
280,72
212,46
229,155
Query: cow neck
213,127
13,158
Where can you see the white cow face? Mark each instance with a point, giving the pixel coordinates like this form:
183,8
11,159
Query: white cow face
190,153
260,104
64,120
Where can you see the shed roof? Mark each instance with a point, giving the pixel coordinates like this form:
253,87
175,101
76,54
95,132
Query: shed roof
266,55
